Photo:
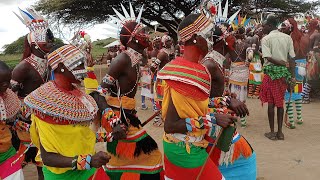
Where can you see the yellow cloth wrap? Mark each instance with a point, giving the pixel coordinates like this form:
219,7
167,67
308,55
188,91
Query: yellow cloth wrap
186,108
5,138
90,84
67,140
127,103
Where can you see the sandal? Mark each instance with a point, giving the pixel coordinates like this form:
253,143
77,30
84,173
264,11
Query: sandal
271,135
280,136
305,101
289,125
300,121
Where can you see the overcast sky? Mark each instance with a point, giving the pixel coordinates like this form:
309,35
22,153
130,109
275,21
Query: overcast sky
12,28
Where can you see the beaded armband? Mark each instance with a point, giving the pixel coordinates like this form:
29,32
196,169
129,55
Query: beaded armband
193,124
108,80
102,91
155,63
109,119
220,101
15,84
74,163
104,137
21,126
83,162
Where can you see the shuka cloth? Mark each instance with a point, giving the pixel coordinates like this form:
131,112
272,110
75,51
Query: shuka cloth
273,91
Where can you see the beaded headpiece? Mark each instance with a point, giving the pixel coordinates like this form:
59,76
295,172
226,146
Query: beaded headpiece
82,40
240,22
36,23
122,21
202,23
71,57
222,17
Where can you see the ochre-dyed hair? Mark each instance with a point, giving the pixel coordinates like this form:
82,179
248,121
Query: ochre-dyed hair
126,31
26,49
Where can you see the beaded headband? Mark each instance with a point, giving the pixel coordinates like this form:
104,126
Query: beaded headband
198,25
69,55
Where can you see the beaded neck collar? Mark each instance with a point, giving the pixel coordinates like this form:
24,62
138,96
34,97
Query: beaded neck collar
134,55
39,64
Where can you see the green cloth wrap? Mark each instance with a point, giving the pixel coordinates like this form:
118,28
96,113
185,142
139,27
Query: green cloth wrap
277,72
6,155
69,175
177,154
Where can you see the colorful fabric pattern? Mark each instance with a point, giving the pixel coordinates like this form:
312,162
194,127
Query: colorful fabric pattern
181,165
185,156
8,169
273,91
68,140
90,82
61,106
138,154
277,72
185,76
239,74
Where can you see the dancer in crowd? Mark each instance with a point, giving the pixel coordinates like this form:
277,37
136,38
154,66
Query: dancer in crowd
134,154
312,74
240,155
278,51
187,88
31,72
165,55
147,77
10,169
61,119
239,70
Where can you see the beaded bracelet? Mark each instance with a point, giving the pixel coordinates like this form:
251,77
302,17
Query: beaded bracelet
194,124
110,118
104,137
83,162
108,80
74,163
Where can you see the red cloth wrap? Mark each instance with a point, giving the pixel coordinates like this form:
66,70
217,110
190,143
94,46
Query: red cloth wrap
273,91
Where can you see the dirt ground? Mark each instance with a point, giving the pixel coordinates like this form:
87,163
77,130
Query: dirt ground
295,158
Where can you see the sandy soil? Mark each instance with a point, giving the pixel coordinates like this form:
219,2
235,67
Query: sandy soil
295,158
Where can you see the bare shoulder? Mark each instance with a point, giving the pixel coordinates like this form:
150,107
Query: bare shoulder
162,55
22,67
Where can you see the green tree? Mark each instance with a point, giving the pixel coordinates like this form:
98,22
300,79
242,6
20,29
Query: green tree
166,12
17,47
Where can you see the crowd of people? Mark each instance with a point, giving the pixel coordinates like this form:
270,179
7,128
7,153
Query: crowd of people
198,89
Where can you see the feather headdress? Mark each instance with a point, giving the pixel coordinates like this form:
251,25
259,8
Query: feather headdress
119,21
36,23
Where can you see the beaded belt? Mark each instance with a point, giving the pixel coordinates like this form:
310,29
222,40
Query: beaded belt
191,139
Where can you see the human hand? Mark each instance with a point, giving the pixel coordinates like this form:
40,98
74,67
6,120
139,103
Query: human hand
224,120
238,107
119,132
99,159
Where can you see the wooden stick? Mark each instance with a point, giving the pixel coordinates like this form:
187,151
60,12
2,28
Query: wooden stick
150,118
211,151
